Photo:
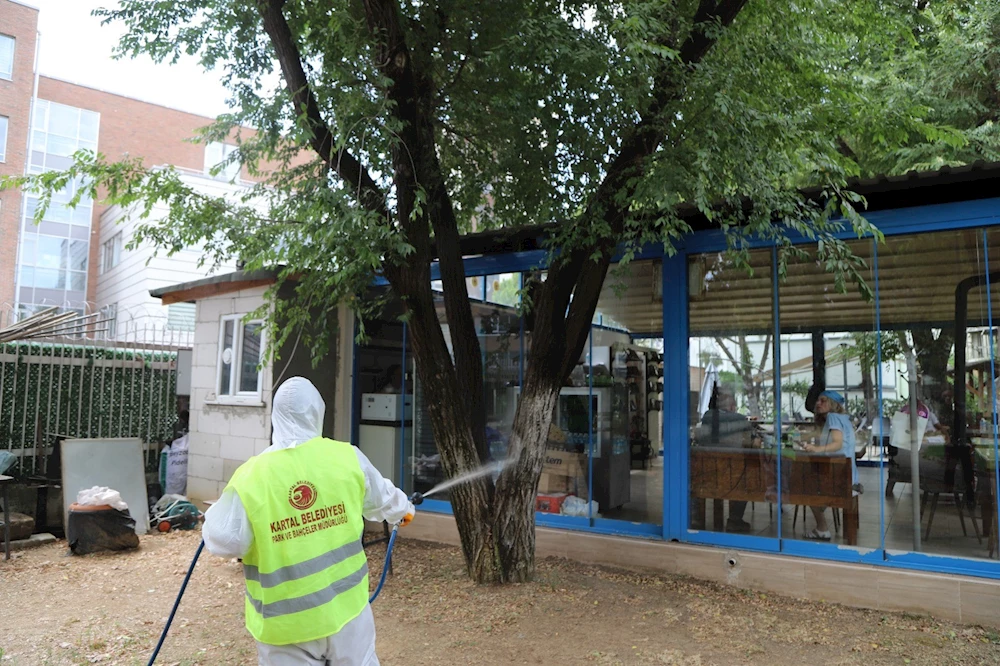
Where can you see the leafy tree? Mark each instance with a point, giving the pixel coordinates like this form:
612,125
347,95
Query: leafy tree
954,74
385,128
870,349
750,371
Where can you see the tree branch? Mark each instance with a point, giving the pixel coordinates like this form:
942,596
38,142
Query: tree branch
412,94
340,161
725,350
637,146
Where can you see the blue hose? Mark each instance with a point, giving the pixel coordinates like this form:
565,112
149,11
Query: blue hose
385,565
177,602
194,560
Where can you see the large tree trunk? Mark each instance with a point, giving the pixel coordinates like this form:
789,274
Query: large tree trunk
496,524
933,354
514,509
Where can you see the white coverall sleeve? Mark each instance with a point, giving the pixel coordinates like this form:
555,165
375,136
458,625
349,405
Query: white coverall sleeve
383,500
227,531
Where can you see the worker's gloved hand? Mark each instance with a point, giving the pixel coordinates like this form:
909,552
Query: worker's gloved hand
410,511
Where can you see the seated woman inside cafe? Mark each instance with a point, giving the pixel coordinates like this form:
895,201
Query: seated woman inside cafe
836,438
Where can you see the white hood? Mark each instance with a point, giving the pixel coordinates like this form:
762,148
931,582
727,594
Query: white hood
296,413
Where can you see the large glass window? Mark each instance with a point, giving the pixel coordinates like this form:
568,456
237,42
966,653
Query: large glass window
827,381
935,299
880,396
622,372
493,299
7,44
500,334
54,256
239,359
733,426
3,138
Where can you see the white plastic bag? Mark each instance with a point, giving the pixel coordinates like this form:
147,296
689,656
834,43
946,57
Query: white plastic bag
575,506
177,465
99,495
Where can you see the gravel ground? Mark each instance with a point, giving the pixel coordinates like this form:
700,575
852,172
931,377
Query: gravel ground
110,608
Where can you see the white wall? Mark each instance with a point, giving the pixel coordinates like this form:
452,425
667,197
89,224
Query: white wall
222,436
127,285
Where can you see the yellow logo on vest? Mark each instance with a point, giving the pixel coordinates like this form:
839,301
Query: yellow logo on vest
302,495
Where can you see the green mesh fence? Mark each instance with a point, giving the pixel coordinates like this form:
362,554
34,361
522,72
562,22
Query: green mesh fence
49,391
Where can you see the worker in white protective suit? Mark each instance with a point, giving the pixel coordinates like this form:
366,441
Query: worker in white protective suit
294,516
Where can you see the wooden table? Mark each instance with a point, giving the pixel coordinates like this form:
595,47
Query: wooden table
750,475
4,482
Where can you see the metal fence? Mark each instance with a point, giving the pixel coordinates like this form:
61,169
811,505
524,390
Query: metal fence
110,381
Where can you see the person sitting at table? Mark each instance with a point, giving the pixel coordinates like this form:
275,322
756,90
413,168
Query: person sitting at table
723,426
837,438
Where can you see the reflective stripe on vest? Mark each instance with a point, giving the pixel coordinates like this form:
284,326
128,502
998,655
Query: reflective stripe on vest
310,601
306,573
303,569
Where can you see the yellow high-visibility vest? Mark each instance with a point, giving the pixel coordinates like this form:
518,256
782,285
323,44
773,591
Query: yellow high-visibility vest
306,573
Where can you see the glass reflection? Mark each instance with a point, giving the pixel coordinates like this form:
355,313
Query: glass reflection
732,412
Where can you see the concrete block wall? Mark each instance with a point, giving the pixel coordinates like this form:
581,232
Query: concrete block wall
222,436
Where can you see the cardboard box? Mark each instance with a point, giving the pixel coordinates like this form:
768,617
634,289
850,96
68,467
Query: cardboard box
564,463
553,483
550,503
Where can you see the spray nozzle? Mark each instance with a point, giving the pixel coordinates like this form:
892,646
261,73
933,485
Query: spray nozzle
417,499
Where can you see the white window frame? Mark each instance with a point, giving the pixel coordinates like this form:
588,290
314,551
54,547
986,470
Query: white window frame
9,76
110,314
5,121
232,171
237,397
115,245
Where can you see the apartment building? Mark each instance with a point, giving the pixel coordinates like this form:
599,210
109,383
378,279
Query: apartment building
76,258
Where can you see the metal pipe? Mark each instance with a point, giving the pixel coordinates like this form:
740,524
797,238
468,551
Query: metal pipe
38,396
24,411
48,405
3,377
142,395
911,371
961,335
79,400
121,400
100,409
90,395
59,392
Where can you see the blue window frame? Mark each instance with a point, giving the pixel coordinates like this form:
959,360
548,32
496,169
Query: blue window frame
674,274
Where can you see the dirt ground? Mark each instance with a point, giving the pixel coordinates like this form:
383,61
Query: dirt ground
109,609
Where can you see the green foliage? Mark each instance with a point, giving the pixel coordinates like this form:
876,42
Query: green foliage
798,388
950,68
529,102
867,346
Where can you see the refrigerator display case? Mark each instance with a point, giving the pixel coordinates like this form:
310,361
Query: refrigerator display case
606,409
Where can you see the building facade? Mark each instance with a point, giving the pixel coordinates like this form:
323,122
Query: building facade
62,261
18,36
688,419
